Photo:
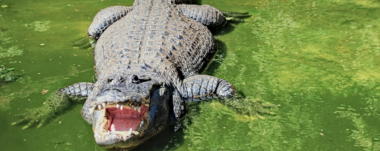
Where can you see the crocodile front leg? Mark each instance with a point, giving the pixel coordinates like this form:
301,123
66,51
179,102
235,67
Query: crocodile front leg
205,14
56,102
105,18
203,87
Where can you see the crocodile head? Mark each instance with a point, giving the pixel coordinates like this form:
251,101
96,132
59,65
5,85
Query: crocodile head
128,110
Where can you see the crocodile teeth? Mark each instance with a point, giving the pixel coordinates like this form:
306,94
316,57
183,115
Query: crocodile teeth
117,106
113,128
135,132
103,104
135,108
139,109
147,105
99,107
108,132
121,108
141,124
130,131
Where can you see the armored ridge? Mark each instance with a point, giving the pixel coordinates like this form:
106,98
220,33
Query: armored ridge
154,37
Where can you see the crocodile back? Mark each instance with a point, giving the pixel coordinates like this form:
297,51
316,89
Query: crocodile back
154,37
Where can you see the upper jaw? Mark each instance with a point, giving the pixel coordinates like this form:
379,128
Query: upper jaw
113,97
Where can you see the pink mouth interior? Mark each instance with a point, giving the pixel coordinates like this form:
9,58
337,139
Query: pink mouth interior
124,120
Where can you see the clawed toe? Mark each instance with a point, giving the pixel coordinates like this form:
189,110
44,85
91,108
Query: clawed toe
30,124
83,42
18,122
23,114
234,13
250,106
265,111
236,16
41,123
231,19
268,105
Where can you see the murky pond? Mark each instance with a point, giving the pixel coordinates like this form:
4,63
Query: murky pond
317,61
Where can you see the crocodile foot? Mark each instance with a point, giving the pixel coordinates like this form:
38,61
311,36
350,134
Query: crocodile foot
33,117
85,42
254,107
236,16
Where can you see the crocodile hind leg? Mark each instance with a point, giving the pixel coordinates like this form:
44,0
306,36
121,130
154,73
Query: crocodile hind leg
57,102
102,20
203,87
210,16
105,18
205,14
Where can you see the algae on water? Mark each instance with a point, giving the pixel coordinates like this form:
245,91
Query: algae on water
10,52
60,8
4,38
309,55
328,53
40,26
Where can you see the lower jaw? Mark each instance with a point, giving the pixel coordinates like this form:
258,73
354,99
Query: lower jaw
123,124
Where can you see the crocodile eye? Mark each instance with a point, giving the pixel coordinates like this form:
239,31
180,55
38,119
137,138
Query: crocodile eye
135,79
109,80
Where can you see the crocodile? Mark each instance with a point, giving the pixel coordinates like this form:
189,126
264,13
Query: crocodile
148,58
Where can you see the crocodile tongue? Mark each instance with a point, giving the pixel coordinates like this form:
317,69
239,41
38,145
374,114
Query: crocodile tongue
124,119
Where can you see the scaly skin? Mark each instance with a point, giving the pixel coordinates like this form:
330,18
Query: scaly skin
147,57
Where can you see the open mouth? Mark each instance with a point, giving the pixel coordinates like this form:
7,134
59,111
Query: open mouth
122,119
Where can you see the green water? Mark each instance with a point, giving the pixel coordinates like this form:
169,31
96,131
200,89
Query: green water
318,61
